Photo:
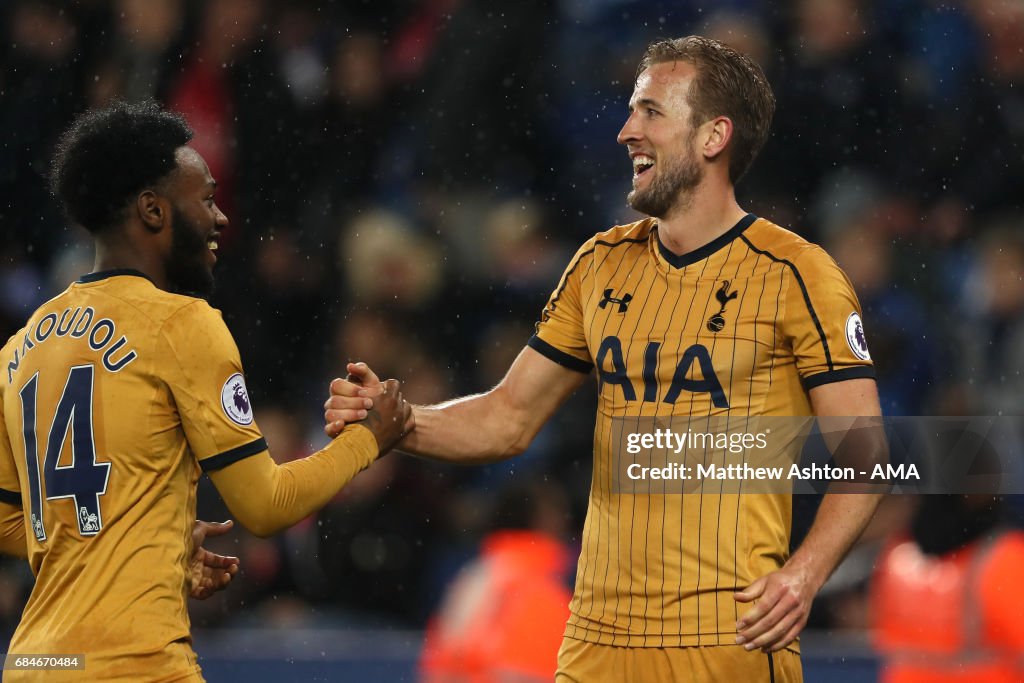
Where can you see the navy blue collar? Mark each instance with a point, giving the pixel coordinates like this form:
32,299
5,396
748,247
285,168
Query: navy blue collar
104,274
677,261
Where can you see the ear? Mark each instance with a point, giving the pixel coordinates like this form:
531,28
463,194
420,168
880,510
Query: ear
719,133
154,211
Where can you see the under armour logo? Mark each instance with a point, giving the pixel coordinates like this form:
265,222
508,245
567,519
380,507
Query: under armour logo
724,296
609,299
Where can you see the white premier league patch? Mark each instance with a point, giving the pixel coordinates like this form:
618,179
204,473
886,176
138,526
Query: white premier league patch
855,337
235,400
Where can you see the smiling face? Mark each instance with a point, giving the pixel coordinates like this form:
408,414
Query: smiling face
660,139
196,223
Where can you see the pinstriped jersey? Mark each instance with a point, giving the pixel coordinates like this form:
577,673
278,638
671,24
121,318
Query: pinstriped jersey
743,326
114,397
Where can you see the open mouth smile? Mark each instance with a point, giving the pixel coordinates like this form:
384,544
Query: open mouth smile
642,164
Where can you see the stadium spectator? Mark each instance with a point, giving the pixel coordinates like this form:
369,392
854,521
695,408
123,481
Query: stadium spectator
945,598
503,616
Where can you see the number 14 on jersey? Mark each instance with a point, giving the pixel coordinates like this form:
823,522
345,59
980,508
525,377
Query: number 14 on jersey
83,480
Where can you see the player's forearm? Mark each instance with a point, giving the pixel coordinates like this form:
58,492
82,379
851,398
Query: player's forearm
840,521
301,487
850,420
266,497
469,430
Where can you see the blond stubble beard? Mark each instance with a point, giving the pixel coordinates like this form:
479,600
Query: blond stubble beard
672,189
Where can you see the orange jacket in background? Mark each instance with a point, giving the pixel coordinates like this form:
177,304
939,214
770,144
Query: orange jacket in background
503,617
956,618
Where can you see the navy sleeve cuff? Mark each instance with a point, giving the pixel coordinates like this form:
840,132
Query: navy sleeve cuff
10,497
560,357
222,460
856,372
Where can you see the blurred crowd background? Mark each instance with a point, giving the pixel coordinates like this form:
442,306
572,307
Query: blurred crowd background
407,179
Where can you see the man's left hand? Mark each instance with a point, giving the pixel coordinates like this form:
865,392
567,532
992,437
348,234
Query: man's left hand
209,572
783,604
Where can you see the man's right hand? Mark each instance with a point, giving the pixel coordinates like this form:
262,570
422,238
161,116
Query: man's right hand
351,398
390,419
363,397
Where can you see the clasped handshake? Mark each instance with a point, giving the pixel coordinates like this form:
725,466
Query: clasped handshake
379,406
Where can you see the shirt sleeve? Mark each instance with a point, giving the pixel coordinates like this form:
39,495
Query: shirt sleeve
823,322
266,497
10,487
206,379
12,519
560,333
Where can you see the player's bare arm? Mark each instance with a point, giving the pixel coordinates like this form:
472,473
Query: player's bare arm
488,427
783,598
266,497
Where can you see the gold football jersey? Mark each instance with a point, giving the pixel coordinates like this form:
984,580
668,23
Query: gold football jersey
115,396
743,326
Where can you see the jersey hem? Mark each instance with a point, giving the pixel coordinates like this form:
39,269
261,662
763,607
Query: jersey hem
640,640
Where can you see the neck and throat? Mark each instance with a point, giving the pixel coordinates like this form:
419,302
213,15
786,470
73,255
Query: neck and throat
704,214
123,254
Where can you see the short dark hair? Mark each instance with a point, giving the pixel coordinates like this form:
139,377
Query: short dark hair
728,83
109,155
